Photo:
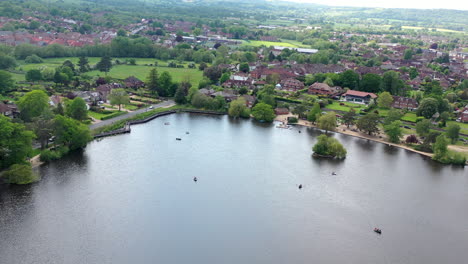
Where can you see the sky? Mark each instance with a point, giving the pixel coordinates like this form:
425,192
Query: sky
425,4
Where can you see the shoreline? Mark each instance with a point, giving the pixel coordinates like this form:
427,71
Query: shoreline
342,129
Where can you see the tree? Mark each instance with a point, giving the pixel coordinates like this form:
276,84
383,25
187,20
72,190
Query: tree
392,83
301,109
244,67
413,73
83,64
350,117
71,133
33,104
152,81
33,59
273,78
181,93
119,97
314,113
104,65
263,112
423,127
408,54
7,62
440,147
453,132
370,83
368,123
428,107
394,131
393,115
329,147
166,87
77,109
238,108
327,122
224,77
43,128
385,100
6,82
33,75
213,73
15,142
20,174
349,79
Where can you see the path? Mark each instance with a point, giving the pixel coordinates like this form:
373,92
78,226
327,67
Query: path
164,104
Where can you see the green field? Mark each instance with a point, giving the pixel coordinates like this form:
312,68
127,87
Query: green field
346,107
258,43
410,117
140,70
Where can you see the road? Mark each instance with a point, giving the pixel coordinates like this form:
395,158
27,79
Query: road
164,104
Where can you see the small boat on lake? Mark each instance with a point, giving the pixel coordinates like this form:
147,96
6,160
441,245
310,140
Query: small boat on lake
300,186
195,179
378,230
178,139
333,173
187,133
167,123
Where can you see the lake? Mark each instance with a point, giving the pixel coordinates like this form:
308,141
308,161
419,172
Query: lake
132,199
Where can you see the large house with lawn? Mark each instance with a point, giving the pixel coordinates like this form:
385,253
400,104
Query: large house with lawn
358,97
324,89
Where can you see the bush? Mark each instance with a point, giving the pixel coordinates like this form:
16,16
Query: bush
329,147
292,120
33,59
412,139
424,147
20,174
48,155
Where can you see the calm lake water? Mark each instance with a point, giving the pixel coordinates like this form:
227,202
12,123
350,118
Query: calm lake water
131,199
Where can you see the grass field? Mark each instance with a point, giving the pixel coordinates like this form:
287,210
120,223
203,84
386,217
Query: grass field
410,117
437,29
258,43
140,70
346,107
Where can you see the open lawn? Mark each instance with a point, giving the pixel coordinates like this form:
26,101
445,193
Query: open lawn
437,29
410,117
140,70
258,43
346,107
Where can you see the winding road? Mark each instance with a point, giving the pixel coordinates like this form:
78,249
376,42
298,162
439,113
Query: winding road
164,104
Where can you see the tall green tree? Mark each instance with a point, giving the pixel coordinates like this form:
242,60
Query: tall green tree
119,97
43,127
105,64
83,64
394,131
440,147
349,79
428,107
423,127
327,122
152,81
238,108
385,100
314,113
368,123
453,132
328,146
370,83
33,75
33,104
263,112
70,132
166,86
349,118
392,83
15,142
77,109
392,115
6,82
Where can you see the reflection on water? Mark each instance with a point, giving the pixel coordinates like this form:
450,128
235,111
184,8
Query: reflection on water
132,199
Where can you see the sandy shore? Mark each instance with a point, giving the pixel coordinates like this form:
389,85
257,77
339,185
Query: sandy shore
35,161
342,129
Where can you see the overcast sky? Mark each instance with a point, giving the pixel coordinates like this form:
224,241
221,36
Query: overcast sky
426,4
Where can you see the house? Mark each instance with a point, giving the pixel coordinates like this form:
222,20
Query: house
359,97
228,95
464,115
281,111
291,84
325,90
9,109
105,89
249,100
401,102
133,82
